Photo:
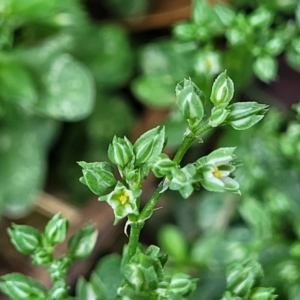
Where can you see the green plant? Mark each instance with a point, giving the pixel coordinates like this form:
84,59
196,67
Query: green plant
244,38
54,66
140,273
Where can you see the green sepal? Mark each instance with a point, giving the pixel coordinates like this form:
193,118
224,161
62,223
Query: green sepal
81,244
98,176
218,115
149,145
244,115
25,238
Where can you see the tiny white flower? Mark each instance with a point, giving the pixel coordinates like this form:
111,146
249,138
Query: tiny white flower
217,169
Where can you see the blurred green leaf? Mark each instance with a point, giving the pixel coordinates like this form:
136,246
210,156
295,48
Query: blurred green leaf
154,91
107,52
69,93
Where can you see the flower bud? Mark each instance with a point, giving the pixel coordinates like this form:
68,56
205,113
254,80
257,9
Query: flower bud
261,18
59,290
19,287
241,278
265,68
98,176
162,166
262,293
120,152
222,90
182,284
149,145
243,115
190,100
81,244
25,238
42,257
218,115
56,229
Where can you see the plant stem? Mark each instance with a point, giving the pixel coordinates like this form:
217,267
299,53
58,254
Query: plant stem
147,211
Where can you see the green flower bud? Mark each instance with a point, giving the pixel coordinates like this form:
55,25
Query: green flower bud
262,293
222,90
261,18
265,68
243,115
58,268
162,166
25,238
183,180
81,244
120,152
59,290
98,176
241,278
218,115
149,145
190,100
185,31
42,257
56,229
20,287
182,284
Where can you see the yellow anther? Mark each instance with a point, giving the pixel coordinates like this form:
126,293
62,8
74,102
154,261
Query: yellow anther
208,63
124,198
217,173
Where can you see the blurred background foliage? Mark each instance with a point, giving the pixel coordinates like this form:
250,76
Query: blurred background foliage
73,74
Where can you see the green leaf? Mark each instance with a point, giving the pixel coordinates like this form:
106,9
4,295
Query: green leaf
106,51
69,90
16,83
173,242
108,269
265,68
23,145
20,287
154,91
149,145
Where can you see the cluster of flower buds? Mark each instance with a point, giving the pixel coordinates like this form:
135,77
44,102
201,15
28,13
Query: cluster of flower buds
144,278
132,162
240,115
41,246
243,280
